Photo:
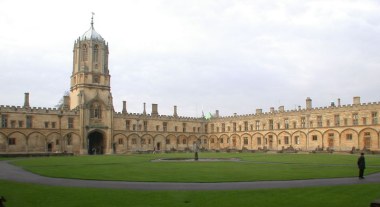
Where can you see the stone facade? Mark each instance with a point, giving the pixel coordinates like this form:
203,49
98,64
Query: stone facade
86,123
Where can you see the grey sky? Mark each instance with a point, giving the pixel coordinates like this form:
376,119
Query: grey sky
234,56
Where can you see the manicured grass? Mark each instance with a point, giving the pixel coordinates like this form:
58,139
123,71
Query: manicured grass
31,195
256,166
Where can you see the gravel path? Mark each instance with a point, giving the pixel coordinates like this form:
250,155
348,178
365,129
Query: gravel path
14,173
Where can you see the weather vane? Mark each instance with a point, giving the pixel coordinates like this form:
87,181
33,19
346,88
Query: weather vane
92,19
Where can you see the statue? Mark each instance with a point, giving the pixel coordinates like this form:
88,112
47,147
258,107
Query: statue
196,147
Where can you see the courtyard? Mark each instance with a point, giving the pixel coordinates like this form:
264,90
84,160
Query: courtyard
252,179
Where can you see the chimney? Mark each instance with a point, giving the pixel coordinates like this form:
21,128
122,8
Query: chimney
357,100
235,114
217,113
259,111
26,100
66,102
144,112
154,109
175,111
299,108
281,108
272,109
124,107
308,103
338,102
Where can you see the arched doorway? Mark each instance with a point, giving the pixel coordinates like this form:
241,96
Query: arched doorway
95,143
50,147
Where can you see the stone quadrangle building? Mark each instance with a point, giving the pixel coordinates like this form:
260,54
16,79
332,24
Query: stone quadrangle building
86,123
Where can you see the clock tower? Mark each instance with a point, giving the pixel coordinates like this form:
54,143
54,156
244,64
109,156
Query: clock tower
90,92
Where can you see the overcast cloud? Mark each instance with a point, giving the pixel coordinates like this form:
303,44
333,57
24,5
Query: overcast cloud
234,56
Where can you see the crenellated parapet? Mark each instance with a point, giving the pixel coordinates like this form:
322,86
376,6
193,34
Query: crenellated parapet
156,117
303,111
36,110
281,112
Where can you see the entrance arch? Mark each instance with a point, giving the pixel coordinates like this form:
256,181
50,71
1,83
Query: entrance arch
95,143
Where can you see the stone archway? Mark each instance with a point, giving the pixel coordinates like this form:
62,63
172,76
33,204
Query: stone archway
96,143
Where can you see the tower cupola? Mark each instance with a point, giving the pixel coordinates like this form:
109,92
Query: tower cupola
91,34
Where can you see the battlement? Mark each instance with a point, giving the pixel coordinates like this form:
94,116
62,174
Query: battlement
36,110
301,111
160,117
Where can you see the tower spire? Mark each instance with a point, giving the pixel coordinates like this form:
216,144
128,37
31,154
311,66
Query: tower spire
92,19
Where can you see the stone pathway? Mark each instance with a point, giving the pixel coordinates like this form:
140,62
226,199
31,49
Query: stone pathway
14,173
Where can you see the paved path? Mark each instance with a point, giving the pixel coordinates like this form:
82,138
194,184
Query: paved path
14,173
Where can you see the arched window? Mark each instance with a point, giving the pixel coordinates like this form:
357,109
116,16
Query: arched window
96,111
96,53
84,52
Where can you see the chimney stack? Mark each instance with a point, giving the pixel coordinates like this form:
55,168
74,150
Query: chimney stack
281,108
357,100
144,112
217,113
271,109
26,100
175,112
308,103
124,107
154,110
259,111
338,102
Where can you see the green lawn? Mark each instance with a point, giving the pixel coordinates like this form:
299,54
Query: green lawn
254,166
139,168
20,195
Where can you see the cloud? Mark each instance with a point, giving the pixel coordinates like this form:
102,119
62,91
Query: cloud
234,56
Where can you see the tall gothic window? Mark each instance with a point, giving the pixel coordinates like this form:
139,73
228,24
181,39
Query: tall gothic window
69,139
96,111
28,122
96,53
105,68
84,52
4,121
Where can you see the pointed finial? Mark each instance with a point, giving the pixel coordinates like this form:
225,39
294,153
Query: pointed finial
92,19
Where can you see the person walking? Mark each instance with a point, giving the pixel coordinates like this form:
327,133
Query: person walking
361,165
